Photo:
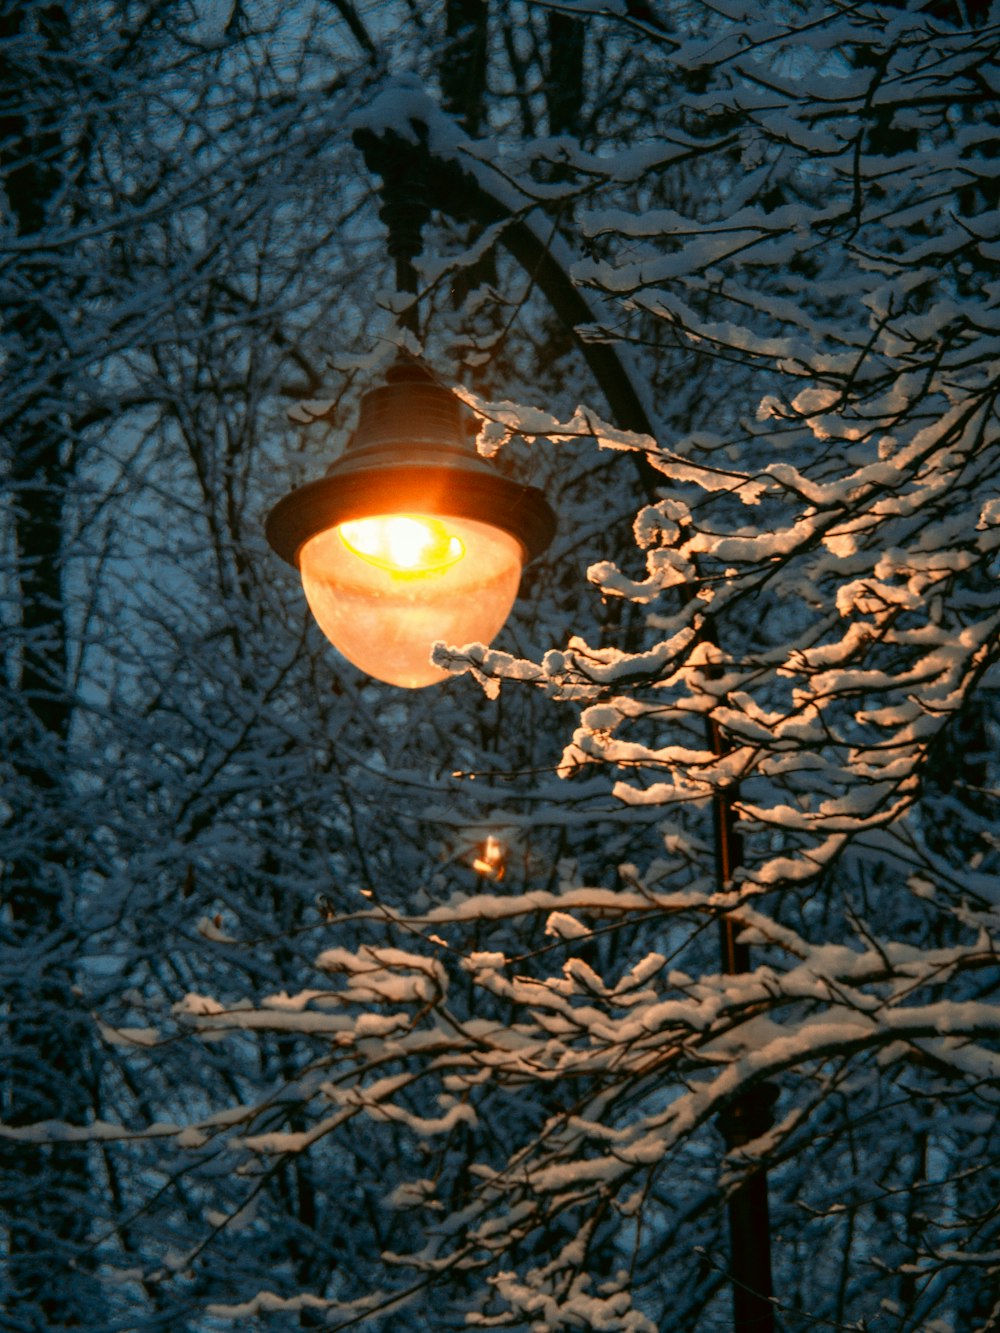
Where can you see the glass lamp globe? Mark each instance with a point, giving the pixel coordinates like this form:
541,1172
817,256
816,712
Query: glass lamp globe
410,538
385,588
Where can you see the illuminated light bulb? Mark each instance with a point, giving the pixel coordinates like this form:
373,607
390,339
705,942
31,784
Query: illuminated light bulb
405,544
384,589
490,862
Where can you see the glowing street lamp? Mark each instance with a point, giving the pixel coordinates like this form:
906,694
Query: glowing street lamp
410,537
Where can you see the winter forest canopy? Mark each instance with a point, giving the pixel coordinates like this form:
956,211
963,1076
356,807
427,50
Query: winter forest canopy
327,1004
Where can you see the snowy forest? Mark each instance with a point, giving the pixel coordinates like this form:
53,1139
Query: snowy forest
499,1004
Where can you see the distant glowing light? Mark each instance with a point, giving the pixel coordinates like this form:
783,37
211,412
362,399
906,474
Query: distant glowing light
490,861
403,544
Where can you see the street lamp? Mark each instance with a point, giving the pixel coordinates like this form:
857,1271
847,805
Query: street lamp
419,452
410,537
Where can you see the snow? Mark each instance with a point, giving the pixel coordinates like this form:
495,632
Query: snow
129,1036
812,645
565,927
267,1302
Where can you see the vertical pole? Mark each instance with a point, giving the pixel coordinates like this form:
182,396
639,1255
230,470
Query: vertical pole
750,1115
404,209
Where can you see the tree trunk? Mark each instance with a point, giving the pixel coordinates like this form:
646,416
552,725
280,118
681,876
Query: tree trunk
43,1189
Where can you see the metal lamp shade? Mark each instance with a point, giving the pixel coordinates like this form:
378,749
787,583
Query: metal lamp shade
410,538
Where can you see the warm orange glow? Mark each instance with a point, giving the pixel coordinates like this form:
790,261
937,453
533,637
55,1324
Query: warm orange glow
404,544
385,589
490,862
